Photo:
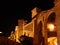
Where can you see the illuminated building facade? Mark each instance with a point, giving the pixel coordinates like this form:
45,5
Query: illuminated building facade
44,27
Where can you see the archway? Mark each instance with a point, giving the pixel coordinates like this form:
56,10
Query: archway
40,35
51,28
51,17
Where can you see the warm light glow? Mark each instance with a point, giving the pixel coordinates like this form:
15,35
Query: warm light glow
55,43
52,41
50,27
0,32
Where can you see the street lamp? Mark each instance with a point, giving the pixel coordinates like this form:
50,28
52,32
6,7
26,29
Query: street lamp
50,26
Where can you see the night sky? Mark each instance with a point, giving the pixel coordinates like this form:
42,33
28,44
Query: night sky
11,11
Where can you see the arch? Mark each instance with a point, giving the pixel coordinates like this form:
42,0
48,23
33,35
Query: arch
51,17
51,21
52,32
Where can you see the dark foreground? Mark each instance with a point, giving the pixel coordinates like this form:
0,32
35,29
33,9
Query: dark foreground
6,41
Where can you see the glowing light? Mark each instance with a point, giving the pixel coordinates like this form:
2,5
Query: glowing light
52,41
56,43
50,27
0,32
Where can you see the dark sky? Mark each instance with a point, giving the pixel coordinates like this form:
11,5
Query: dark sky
11,11
24,7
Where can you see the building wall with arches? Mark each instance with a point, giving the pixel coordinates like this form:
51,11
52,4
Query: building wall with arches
38,25
43,17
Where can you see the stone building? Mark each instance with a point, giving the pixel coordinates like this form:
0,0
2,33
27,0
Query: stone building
44,27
